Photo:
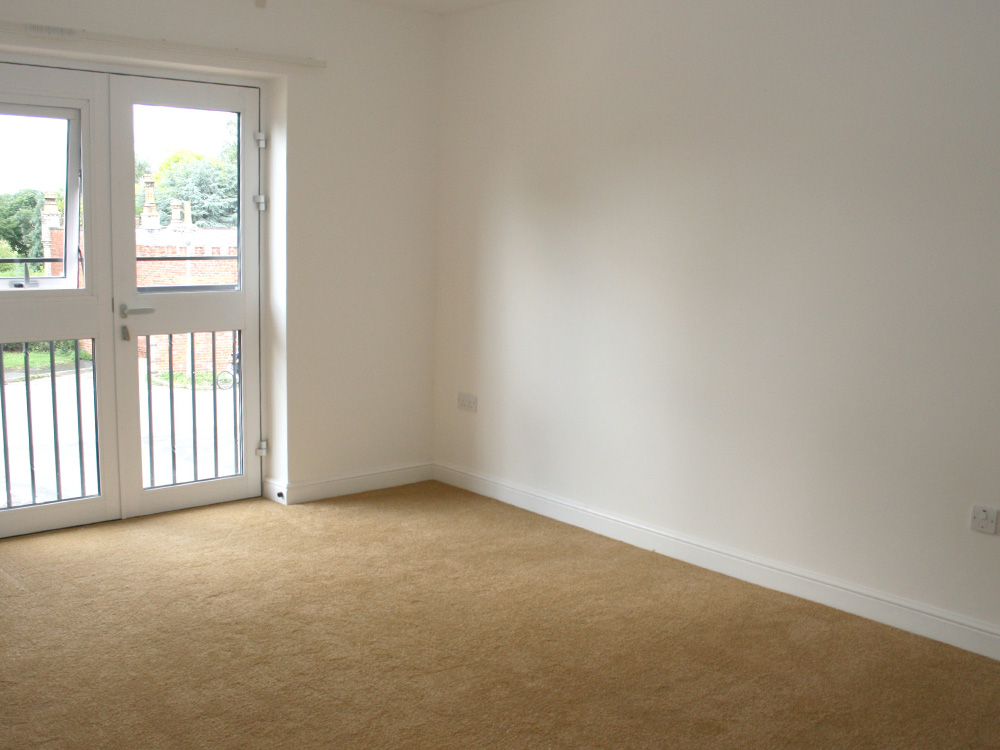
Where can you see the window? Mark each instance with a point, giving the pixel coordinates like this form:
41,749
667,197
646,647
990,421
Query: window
187,198
40,198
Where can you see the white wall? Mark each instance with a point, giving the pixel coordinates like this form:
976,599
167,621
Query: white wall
348,313
361,235
731,269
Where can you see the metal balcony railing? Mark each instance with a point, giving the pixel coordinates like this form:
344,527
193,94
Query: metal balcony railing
48,423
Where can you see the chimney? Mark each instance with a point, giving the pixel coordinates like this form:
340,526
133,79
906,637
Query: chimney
176,222
150,216
188,224
51,219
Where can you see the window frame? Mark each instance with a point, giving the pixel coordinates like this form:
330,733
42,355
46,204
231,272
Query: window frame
72,195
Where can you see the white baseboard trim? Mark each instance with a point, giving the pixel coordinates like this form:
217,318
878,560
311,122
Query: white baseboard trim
274,489
914,617
292,493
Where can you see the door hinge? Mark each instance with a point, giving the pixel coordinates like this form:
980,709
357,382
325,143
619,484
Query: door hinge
261,202
261,140
261,448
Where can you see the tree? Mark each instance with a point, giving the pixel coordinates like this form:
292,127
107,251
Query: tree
210,184
142,168
8,269
21,222
231,151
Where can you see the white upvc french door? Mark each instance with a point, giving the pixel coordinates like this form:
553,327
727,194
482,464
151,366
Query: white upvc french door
129,326
185,295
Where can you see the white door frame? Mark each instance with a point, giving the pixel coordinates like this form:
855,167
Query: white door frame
47,314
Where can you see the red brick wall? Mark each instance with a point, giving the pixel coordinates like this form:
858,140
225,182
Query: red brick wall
56,251
223,271
203,362
187,273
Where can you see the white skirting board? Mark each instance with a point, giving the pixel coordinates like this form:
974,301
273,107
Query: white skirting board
291,493
914,617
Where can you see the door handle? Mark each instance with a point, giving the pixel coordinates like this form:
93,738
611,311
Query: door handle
124,310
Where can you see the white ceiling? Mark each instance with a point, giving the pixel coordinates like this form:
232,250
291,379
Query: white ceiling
437,6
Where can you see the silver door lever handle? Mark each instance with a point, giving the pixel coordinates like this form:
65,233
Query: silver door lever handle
124,310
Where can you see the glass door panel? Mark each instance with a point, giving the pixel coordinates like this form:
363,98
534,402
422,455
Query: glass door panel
48,422
190,407
187,198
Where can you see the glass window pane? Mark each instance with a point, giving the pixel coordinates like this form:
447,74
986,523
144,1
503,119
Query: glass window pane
187,198
34,153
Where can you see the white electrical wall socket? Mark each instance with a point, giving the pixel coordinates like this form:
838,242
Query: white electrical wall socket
984,519
468,402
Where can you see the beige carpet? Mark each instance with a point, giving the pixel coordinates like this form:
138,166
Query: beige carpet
428,617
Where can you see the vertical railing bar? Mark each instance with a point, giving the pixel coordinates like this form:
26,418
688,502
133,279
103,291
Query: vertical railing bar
3,429
149,411
194,409
215,409
173,435
239,217
237,384
55,419
79,417
31,433
97,431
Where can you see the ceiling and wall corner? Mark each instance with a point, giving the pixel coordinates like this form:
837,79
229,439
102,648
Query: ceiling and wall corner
440,7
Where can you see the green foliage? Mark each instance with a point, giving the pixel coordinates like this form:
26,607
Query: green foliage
39,356
231,151
202,380
64,346
210,184
178,160
142,168
21,222
8,269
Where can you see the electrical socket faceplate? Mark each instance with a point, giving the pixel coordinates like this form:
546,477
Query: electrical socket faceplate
468,402
984,519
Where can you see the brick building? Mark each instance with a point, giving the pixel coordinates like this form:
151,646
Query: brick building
178,255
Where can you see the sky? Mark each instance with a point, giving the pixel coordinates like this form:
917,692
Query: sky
33,153
33,149
160,131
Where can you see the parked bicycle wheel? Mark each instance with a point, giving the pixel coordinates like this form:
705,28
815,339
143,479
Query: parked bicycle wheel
224,380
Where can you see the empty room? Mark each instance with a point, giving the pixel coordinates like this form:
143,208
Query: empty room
477,374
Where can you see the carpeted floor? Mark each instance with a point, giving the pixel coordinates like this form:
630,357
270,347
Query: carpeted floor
428,617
